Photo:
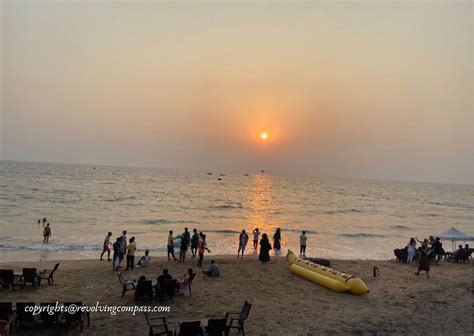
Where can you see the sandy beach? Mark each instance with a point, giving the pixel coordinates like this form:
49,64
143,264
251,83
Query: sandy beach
399,302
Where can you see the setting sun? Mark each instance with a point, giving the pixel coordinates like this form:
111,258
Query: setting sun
264,136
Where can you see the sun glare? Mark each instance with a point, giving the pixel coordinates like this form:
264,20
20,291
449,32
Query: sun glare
264,136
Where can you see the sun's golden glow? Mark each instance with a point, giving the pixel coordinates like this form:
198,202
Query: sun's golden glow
264,136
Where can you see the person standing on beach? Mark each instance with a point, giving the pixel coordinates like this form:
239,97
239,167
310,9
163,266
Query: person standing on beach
132,247
303,239
411,250
46,234
106,247
201,248
184,245
265,248
117,247
39,222
423,262
170,246
256,235
194,243
276,240
44,221
243,239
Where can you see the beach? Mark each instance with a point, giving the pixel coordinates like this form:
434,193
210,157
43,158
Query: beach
399,302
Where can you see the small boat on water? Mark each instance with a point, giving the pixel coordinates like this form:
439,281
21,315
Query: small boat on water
246,174
209,173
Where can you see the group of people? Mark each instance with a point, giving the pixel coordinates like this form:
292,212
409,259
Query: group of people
265,246
122,250
197,243
126,249
163,281
46,230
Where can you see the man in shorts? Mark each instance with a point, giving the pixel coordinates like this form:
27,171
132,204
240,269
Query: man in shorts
106,247
170,246
243,239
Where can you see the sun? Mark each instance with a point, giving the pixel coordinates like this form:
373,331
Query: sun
264,136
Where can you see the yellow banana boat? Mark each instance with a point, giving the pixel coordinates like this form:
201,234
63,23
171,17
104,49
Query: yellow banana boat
340,280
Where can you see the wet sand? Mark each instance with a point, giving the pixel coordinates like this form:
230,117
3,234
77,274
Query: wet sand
399,302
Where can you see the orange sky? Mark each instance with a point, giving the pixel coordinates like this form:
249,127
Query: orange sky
358,89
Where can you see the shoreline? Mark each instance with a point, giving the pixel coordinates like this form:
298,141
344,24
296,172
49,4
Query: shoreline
282,303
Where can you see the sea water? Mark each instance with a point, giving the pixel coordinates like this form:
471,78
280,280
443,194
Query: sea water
343,218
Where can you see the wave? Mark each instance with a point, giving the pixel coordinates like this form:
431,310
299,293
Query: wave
299,231
155,221
333,212
118,199
235,205
453,205
165,221
400,227
362,235
222,231
49,247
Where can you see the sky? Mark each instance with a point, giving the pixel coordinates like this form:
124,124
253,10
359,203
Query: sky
363,89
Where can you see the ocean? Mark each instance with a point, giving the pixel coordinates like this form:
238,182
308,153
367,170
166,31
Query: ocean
343,218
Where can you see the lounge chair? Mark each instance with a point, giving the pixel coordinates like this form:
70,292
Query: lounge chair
158,325
76,318
48,274
9,279
29,276
189,328
144,290
127,284
239,321
25,318
6,314
49,317
167,289
216,327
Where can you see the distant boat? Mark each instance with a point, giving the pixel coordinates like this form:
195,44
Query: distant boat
262,171
209,173
219,179
246,174
221,174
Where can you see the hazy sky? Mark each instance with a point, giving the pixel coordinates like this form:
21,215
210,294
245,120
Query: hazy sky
372,89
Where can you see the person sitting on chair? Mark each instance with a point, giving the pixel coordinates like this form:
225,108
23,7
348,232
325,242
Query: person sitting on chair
459,255
183,285
160,280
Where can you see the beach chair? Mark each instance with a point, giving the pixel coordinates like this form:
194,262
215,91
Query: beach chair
144,290
157,325
216,327
9,280
189,328
7,315
239,321
127,284
168,289
49,317
29,276
24,317
48,274
75,318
